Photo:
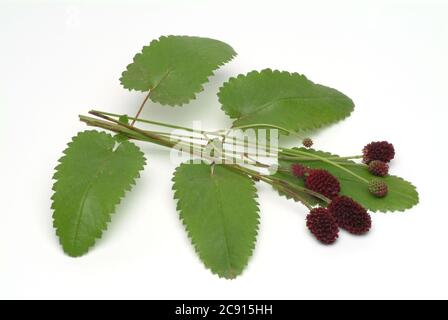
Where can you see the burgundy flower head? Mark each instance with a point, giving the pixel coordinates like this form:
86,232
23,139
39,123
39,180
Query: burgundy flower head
350,215
379,168
298,170
322,225
378,188
383,151
307,142
321,181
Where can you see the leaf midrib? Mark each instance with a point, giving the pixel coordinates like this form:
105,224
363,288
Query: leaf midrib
220,210
85,195
271,103
164,76
390,190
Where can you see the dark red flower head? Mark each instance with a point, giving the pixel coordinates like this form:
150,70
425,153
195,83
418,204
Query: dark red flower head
378,188
307,142
321,181
379,168
323,225
298,170
350,215
383,151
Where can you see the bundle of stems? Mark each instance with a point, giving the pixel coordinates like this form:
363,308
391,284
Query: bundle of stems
195,143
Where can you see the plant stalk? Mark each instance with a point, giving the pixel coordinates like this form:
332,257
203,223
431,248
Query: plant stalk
142,135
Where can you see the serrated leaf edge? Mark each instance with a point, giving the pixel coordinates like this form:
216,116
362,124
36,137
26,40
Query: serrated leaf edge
200,87
128,188
293,74
189,235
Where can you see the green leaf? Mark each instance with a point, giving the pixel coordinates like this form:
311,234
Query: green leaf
91,179
120,137
124,119
174,68
281,99
220,214
402,194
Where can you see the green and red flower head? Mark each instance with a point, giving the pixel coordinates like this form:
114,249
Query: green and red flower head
382,150
378,188
322,225
321,181
379,168
350,215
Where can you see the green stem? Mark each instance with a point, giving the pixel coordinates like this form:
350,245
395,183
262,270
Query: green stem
348,158
290,151
135,133
141,108
264,125
292,158
278,182
149,136
257,176
201,132
156,123
165,141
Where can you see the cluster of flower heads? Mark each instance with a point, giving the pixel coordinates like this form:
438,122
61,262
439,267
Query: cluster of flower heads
342,211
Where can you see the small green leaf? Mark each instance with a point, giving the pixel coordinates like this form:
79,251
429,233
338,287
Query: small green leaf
281,99
402,194
91,179
120,137
124,119
174,68
220,214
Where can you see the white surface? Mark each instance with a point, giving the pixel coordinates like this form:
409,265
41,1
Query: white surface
61,58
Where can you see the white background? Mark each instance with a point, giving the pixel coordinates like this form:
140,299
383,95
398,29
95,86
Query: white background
59,59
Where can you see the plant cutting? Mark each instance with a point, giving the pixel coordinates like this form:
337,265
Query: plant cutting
216,190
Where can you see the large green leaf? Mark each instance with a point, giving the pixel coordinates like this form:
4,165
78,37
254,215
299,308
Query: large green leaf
402,194
91,179
174,68
289,101
220,214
